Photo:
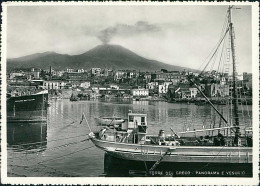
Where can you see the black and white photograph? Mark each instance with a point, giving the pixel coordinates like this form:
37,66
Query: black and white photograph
156,92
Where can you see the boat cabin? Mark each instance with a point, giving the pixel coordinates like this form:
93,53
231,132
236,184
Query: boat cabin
137,124
133,131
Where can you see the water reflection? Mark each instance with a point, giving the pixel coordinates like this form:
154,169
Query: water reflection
27,129
27,116
27,135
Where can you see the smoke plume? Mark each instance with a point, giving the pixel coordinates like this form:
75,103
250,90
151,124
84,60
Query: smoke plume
124,30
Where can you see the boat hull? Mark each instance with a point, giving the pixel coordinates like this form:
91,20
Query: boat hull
207,154
126,159
117,167
28,102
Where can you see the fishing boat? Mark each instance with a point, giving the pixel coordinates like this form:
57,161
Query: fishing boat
73,97
84,96
132,144
225,153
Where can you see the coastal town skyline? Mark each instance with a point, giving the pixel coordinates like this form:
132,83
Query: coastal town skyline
170,40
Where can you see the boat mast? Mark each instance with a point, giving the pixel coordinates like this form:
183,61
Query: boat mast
235,102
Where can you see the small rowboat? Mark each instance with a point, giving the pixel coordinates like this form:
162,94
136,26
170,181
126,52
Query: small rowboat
109,121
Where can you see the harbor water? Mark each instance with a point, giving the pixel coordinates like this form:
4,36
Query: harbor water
59,146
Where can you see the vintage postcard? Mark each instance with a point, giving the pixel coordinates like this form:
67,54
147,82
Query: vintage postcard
130,93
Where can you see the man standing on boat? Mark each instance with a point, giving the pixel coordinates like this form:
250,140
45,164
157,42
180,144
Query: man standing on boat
161,137
102,132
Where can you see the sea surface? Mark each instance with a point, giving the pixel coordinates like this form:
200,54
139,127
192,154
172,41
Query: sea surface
59,146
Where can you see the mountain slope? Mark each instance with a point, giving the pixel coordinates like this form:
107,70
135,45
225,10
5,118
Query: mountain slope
103,56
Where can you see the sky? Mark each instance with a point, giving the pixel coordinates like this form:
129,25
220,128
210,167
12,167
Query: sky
177,35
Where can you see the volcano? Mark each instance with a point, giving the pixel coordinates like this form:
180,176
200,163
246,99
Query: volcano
113,57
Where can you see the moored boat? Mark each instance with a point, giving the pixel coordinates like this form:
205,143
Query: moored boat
131,143
109,121
73,98
226,152
32,102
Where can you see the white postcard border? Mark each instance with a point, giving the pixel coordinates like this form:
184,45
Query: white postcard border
132,181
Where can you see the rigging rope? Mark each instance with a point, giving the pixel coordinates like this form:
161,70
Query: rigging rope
215,50
65,155
52,148
41,163
222,31
241,104
50,140
220,60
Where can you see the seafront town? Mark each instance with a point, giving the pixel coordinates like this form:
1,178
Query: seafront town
163,85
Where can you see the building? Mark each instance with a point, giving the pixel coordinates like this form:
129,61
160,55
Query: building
120,75
59,73
182,91
223,80
152,85
131,74
158,76
247,80
15,75
185,93
76,76
19,76
35,73
193,92
80,70
140,92
69,70
85,85
216,90
53,85
95,71
114,86
147,77
247,76
163,88
105,72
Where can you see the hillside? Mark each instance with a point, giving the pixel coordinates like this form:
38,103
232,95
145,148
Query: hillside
102,56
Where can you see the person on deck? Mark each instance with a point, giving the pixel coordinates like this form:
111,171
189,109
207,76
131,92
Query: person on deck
102,132
161,137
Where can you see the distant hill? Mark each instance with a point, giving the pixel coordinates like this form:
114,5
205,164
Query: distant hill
102,56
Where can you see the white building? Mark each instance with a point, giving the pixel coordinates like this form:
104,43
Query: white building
151,85
80,70
36,74
119,75
15,74
140,92
223,81
85,84
53,85
95,71
193,92
162,89
114,86
69,70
